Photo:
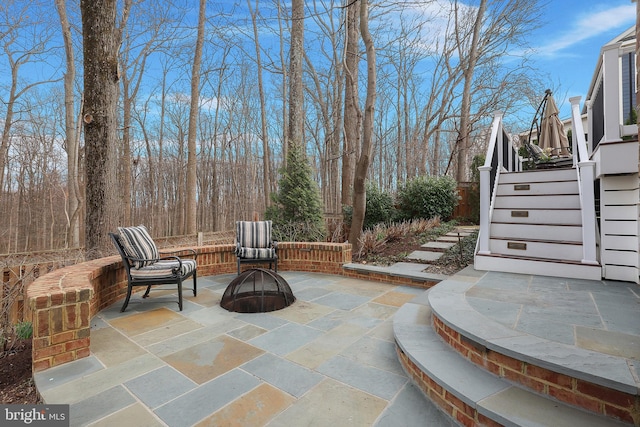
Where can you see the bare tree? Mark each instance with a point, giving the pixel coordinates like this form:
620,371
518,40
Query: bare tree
191,189
325,111
352,112
146,33
266,162
101,41
469,64
23,40
72,137
296,87
364,159
483,36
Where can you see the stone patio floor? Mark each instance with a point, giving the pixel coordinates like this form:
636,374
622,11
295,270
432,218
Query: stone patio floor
327,360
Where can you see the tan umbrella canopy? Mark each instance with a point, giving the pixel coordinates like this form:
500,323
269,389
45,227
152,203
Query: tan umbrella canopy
552,133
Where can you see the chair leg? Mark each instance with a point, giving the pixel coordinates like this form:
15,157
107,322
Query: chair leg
276,265
146,294
238,266
180,294
126,300
195,284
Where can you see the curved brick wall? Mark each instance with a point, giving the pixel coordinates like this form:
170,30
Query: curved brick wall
61,304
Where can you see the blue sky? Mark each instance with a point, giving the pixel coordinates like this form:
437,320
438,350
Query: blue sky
568,43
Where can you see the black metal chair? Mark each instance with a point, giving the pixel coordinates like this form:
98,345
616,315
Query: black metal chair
146,266
254,244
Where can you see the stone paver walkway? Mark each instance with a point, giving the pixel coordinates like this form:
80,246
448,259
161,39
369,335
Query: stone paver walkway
433,251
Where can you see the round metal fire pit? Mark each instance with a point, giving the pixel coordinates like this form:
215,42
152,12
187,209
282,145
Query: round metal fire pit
257,291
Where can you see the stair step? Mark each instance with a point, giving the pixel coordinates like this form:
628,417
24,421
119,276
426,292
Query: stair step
538,216
546,175
538,266
539,249
549,232
537,201
483,392
539,188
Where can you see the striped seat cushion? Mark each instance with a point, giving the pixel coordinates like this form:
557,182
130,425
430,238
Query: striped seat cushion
164,268
137,243
256,253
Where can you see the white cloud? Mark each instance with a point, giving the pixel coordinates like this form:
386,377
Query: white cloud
591,25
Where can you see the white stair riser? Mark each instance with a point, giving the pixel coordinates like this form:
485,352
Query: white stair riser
524,202
538,216
552,251
525,189
537,232
539,176
540,268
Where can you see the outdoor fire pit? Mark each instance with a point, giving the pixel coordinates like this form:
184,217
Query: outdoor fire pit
257,291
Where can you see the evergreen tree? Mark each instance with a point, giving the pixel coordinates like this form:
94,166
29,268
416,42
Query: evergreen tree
297,207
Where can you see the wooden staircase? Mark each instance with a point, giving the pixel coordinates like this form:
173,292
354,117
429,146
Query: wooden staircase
536,226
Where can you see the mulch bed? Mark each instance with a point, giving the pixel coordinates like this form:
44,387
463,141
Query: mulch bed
16,383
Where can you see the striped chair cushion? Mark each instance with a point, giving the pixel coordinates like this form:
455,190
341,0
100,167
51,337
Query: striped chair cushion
256,253
253,234
138,243
164,268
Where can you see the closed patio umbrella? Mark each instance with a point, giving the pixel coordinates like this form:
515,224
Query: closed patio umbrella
552,133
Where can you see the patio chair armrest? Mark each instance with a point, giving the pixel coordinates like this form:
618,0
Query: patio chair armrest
191,253
148,260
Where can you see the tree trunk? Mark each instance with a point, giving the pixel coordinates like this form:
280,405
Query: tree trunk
71,140
191,208
266,162
462,144
101,44
125,156
296,88
352,113
362,167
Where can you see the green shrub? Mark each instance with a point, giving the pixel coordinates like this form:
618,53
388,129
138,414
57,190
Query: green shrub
379,207
427,197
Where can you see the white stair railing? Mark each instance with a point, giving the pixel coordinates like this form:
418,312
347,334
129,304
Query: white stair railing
501,156
586,176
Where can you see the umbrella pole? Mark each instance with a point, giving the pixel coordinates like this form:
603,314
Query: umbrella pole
535,117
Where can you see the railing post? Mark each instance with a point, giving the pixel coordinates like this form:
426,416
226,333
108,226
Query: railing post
500,143
611,94
590,141
485,206
576,127
587,176
485,182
